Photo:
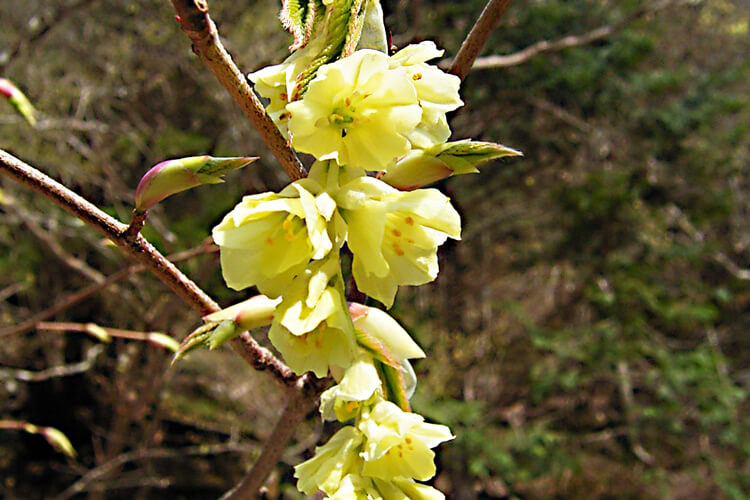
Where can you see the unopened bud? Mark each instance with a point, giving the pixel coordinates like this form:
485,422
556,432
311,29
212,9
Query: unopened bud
173,176
421,167
252,313
382,334
222,326
59,441
18,100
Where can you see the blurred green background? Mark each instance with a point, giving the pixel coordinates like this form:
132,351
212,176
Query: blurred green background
586,339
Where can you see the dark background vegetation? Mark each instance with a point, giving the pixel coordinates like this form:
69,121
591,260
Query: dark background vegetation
587,338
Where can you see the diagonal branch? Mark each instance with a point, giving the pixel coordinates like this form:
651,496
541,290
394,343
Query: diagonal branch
140,249
544,46
74,298
198,26
477,37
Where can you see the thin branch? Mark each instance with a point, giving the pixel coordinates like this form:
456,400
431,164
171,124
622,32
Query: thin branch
41,32
41,234
93,329
477,37
298,405
56,371
544,46
198,26
150,454
76,297
140,249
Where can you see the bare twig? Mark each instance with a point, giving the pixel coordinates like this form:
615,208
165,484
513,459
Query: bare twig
298,405
628,403
93,329
140,249
477,37
65,303
198,26
719,257
150,454
544,46
76,297
56,371
41,31
135,226
55,247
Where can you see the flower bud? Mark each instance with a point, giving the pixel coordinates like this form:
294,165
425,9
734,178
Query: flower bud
18,100
252,313
222,326
421,167
173,176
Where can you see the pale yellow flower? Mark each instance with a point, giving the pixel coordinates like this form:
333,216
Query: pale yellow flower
279,83
398,443
437,92
269,238
311,327
357,111
331,463
394,235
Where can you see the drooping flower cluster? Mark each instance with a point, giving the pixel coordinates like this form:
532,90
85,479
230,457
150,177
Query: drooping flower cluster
356,111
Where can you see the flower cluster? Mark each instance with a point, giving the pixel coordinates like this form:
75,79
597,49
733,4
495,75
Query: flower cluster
355,111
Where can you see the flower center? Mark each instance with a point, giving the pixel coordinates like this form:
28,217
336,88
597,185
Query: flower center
345,115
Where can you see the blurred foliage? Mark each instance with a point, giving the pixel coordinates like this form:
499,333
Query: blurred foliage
586,339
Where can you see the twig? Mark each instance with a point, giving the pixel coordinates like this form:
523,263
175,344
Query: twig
477,37
719,257
11,290
41,32
148,454
135,226
65,303
628,403
258,356
298,405
74,298
198,26
544,46
56,248
54,372
93,329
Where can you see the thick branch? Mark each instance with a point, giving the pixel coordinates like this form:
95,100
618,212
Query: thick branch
544,46
477,37
198,26
140,249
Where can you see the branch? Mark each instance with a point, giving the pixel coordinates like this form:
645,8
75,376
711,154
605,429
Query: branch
76,297
55,371
140,249
198,26
149,454
477,37
298,405
544,46
41,32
